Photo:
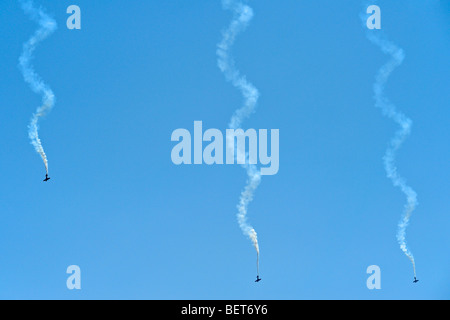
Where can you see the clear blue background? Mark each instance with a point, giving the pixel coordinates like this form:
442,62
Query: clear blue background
140,227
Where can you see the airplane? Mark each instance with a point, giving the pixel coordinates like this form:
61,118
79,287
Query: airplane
415,280
258,279
46,178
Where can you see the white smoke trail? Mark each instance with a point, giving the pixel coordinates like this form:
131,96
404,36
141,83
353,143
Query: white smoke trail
46,27
390,111
243,14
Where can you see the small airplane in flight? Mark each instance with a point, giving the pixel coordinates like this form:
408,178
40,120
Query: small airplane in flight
46,178
258,279
415,280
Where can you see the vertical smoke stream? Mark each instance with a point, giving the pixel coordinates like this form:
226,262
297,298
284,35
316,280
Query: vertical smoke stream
389,110
243,14
46,27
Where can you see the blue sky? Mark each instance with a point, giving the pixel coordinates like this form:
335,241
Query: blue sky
140,227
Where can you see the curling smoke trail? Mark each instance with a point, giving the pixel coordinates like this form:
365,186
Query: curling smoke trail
390,111
46,27
243,14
